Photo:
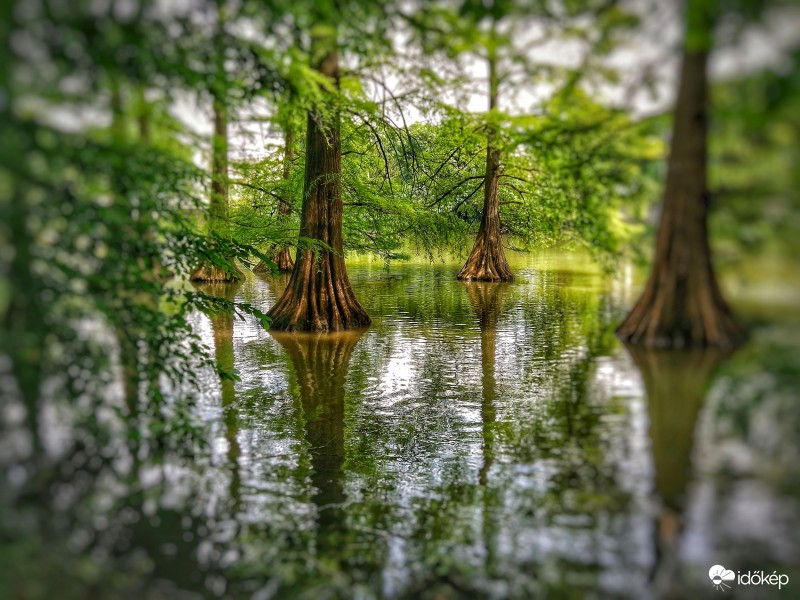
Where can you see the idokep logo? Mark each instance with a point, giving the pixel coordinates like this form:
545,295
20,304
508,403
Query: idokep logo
719,575
720,578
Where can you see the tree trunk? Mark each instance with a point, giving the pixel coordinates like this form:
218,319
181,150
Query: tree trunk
138,364
143,115
487,261
283,257
682,305
319,296
218,206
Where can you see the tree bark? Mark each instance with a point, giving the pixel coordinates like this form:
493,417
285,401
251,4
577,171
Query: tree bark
283,257
682,305
218,205
319,296
487,261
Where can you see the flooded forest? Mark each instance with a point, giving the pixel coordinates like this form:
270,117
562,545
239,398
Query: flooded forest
432,299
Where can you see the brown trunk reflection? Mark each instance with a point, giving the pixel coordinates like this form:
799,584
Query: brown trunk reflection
222,327
487,300
676,385
320,363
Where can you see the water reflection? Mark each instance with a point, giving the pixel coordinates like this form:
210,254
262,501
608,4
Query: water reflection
676,384
274,285
320,363
479,440
222,330
487,301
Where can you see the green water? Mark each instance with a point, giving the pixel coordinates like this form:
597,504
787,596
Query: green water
478,440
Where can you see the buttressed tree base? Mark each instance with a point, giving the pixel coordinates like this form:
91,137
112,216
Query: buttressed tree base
682,305
283,262
319,296
213,274
487,261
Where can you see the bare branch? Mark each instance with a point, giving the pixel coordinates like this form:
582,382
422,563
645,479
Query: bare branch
454,188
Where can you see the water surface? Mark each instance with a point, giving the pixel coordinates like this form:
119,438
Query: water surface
478,440
496,439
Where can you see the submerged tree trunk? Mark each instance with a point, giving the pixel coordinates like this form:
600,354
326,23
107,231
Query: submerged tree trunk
319,296
682,305
487,261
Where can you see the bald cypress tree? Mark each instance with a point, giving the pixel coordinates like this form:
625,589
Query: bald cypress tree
319,296
682,305
487,261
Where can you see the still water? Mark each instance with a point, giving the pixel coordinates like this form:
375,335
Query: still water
478,440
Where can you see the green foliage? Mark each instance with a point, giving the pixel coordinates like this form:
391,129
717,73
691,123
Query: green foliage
103,201
101,219
596,168
755,164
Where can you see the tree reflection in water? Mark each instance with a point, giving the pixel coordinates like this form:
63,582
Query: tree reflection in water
320,363
222,328
676,384
407,462
487,301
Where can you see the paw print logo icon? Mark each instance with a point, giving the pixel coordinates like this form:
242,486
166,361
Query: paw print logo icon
719,575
